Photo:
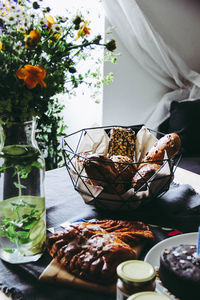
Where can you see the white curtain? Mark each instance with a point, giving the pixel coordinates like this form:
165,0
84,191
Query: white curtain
154,55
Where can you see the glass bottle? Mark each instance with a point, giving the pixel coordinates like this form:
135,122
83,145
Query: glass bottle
22,198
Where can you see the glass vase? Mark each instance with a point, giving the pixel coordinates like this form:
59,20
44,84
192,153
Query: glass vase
22,199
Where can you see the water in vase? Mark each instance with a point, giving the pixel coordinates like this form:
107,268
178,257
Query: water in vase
22,205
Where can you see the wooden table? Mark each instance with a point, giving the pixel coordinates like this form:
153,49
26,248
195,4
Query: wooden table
181,176
186,177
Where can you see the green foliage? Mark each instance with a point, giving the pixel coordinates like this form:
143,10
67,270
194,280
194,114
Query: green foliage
51,129
18,231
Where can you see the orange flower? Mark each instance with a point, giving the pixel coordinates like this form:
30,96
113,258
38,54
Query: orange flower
32,40
32,75
0,45
83,30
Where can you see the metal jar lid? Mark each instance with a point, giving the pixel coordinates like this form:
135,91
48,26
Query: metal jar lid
148,296
136,272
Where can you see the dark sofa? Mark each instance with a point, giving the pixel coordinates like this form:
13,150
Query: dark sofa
191,163
185,120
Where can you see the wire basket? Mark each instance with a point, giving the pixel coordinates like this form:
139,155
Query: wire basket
101,191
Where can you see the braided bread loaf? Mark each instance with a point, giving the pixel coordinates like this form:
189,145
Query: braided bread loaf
93,250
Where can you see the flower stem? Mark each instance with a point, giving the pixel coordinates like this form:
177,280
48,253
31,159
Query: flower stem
19,184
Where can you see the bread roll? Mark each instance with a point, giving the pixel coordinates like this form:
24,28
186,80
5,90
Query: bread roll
171,143
125,167
143,175
101,171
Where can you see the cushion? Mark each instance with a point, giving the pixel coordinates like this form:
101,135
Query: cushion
185,120
190,163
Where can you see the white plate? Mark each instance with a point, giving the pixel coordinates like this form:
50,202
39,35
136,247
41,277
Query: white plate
153,256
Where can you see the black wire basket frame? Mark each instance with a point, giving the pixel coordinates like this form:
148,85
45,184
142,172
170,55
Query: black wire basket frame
116,201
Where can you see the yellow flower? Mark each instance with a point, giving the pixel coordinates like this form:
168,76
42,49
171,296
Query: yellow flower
55,37
32,75
32,39
83,30
0,45
50,21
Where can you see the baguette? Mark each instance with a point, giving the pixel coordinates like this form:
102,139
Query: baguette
171,143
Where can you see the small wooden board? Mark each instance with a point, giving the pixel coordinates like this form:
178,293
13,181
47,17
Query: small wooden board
56,274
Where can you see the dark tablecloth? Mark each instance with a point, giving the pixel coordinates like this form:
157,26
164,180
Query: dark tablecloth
178,209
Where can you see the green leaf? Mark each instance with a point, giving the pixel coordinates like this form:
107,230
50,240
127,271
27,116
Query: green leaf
18,185
8,250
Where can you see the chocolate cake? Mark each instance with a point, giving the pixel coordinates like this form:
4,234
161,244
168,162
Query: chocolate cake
179,271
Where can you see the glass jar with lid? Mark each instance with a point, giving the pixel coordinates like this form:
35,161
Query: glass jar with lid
134,276
148,296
